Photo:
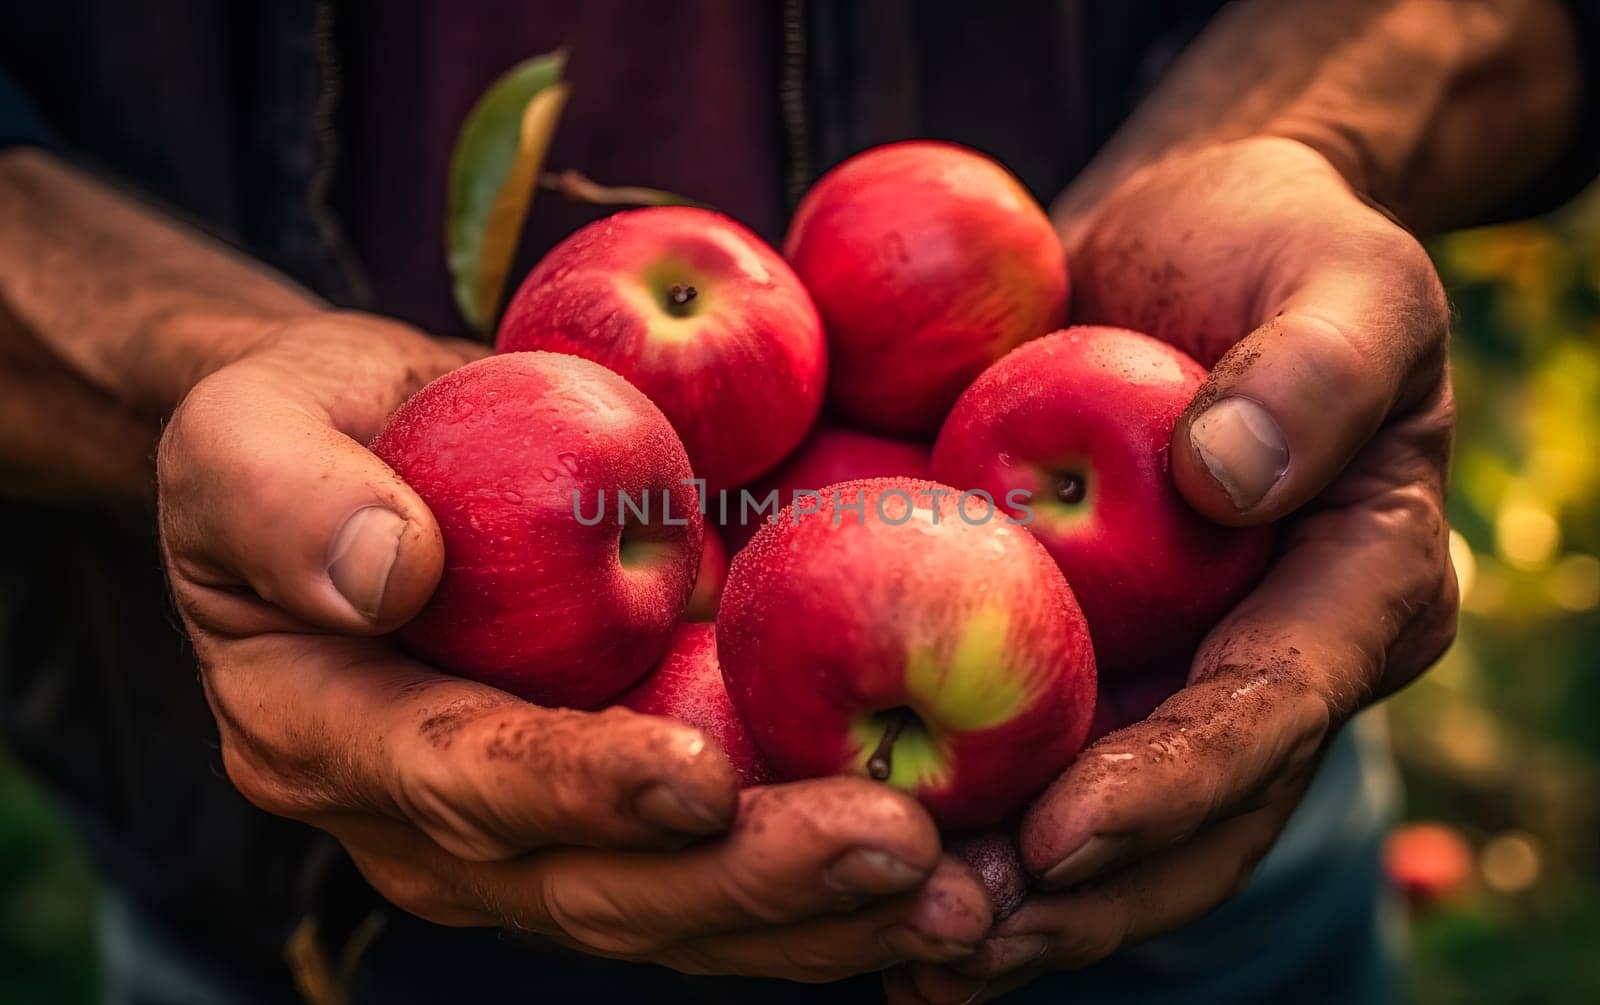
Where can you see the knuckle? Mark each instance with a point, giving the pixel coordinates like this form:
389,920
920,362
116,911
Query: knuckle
1434,628
1445,612
1312,725
593,920
176,435
553,744
206,450
205,411
417,892
802,822
1424,305
1378,240
1444,407
1245,871
753,894
263,786
437,804
222,430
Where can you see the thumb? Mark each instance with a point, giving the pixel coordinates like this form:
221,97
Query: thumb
1287,407
259,490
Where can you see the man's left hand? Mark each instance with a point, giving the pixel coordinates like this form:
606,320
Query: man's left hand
1329,409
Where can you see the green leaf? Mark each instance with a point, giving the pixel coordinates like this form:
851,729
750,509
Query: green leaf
494,172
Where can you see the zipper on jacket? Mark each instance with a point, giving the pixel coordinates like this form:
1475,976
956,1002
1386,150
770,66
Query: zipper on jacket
792,101
330,83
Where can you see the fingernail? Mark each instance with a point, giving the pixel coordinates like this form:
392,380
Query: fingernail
868,870
1243,449
361,555
1010,952
909,943
1089,858
952,949
665,806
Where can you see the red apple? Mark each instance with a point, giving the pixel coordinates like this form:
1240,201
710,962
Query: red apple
832,454
554,588
1080,422
897,631
708,582
688,686
928,262
699,314
1130,697
1427,862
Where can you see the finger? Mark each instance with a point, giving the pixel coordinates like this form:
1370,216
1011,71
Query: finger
315,727
1085,925
1286,408
1354,590
942,921
942,918
932,984
1208,750
900,989
263,497
795,851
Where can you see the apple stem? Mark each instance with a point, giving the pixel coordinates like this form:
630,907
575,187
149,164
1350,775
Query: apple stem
879,765
682,294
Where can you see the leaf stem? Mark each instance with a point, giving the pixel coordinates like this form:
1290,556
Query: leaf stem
578,187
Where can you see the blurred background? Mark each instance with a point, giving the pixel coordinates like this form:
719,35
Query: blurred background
1501,741
1499,745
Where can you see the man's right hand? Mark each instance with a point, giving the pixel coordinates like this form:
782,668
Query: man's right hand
292,550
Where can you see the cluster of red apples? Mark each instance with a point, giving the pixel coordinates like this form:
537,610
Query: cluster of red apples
976,514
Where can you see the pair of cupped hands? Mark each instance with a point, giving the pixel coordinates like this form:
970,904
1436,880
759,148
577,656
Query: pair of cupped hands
292,550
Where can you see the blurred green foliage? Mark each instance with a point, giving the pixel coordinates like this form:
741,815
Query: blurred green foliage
46,900
1500,741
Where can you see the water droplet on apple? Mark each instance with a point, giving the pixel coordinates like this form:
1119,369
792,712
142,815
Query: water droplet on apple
512,497
569,460
550,474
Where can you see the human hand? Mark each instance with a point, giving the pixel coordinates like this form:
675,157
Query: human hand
292,549
1328,408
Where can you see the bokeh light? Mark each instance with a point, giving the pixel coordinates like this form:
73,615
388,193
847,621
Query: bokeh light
1526,534
1510,862
1574,583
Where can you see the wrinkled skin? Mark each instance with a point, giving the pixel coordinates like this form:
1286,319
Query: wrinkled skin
614,833
1259,259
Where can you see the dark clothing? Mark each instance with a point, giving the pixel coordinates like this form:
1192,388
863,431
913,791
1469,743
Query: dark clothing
316,136
256,118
